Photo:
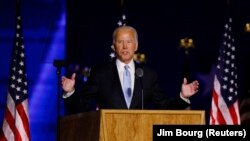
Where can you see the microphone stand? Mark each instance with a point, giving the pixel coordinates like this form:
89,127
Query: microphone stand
142,95
139,73
58,64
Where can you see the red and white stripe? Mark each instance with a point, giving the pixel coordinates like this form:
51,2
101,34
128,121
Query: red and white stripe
16,121
220,113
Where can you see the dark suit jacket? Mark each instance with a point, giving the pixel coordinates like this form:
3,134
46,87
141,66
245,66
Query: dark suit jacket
104,89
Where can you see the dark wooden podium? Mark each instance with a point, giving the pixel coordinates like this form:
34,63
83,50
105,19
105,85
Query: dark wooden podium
123,125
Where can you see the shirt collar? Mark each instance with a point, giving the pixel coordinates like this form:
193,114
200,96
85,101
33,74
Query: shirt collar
120,65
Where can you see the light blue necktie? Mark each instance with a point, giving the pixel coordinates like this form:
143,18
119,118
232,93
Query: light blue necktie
127,85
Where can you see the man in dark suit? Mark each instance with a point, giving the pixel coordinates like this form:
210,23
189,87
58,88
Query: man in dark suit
124,84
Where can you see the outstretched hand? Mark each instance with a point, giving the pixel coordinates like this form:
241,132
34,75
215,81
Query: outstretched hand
187,90
68,84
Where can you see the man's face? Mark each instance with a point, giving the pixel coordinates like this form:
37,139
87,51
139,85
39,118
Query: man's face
125,45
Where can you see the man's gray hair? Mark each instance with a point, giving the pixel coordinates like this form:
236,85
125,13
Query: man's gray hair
125,28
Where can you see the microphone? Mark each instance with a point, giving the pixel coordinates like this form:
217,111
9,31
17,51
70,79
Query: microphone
139,73
58,64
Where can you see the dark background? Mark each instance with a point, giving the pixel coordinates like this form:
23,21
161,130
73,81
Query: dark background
80,32
160,25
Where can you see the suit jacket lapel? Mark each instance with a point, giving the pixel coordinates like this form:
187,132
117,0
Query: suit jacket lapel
118,87
136,99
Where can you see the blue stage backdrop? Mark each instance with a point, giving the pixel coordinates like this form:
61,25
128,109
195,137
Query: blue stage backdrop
44,23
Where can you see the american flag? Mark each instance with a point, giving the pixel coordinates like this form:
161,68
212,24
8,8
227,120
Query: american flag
121,22
16,120
225,106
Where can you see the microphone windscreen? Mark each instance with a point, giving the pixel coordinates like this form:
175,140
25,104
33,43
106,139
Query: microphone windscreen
139,72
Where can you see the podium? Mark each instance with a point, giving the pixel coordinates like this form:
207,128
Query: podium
123,125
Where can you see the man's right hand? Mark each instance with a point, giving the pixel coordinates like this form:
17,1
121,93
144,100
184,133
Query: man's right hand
68,84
